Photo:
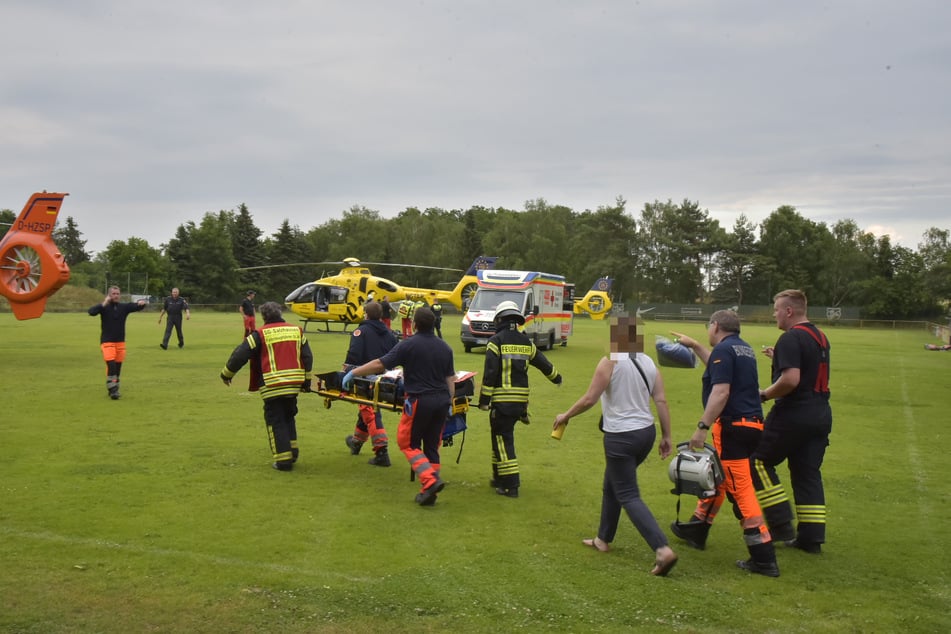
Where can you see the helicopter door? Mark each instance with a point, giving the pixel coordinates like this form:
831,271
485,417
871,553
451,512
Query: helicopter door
322,299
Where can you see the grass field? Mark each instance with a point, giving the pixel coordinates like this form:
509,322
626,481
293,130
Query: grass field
160,512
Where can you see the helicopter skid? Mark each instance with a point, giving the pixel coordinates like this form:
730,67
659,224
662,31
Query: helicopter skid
327,324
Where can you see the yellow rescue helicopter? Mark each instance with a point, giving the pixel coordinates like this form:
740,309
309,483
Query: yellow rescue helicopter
340,298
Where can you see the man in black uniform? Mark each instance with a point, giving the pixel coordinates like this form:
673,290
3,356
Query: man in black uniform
797,428
112,313
174,306
429,381
281,366
505,390
371,340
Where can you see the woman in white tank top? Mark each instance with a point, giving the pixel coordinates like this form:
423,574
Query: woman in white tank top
625,389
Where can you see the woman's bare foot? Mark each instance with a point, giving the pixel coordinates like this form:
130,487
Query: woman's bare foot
665,559
597,543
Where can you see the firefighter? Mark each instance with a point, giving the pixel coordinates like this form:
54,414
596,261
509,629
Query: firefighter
281,365
371,340
800,421
504,391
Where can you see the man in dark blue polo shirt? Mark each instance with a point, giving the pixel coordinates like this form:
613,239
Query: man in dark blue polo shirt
175,306
429,383
732,409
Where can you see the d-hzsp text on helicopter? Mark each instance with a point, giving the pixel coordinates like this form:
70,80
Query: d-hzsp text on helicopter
340,298
31,266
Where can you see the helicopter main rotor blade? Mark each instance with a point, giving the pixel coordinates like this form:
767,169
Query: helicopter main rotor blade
343,264
278,266
411,266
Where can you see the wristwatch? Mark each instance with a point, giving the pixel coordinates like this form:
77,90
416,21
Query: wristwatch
702,425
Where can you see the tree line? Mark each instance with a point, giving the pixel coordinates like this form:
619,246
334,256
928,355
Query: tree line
669,252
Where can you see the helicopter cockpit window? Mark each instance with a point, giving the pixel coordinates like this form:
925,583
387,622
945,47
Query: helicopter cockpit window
338,295
303,294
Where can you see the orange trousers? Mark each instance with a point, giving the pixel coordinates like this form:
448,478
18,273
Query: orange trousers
735,442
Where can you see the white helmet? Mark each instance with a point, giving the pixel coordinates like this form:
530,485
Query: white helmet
508,311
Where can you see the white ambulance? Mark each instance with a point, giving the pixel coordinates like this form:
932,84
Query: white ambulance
545,300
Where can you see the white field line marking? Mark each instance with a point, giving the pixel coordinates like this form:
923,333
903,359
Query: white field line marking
232,562
911,441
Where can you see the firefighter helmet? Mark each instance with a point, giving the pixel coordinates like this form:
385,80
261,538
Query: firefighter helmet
508,311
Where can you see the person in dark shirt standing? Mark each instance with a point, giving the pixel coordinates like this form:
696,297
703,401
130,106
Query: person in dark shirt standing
437,311
247,311
371,340
174,306
113,313
387,312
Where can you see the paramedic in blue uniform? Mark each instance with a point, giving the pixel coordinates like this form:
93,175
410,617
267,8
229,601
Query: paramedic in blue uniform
732,409
371,340
429,382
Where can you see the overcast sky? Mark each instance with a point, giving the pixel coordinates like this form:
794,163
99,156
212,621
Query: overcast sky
152,113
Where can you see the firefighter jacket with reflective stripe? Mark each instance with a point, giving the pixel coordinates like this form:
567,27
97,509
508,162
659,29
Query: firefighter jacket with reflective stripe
505,376
281,356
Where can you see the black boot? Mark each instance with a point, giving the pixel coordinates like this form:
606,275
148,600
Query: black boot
693,532
354,445
783,532
112,385
381,459
762,560
751,565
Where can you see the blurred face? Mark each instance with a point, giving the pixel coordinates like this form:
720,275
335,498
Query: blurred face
114,294
174,293
624,337
712,333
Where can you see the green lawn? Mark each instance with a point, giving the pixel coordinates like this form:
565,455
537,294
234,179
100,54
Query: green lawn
160,512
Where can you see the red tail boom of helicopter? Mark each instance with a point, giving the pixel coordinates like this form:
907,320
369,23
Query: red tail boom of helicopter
31,266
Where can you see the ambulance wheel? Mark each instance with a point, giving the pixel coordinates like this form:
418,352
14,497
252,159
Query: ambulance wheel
467,346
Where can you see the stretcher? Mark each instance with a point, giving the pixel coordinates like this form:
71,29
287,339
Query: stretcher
385,391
